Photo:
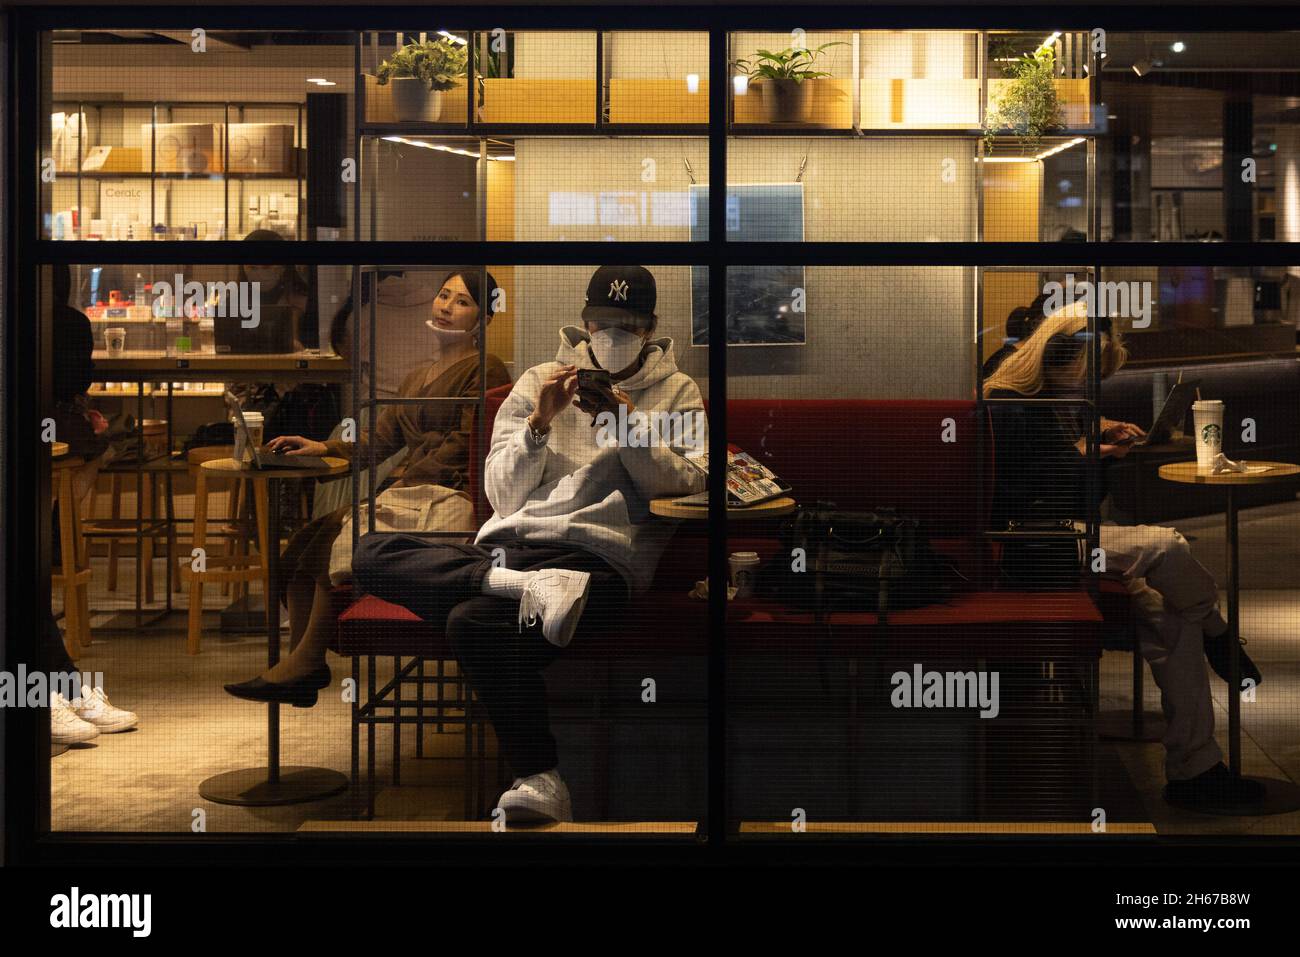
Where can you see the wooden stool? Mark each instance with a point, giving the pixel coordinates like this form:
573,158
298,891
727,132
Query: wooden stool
144,528
239,568
234,567
74,575
234,531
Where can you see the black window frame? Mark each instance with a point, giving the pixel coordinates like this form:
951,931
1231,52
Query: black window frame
28,838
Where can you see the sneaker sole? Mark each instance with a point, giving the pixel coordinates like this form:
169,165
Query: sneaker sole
529,813
574,618
78,738
115,728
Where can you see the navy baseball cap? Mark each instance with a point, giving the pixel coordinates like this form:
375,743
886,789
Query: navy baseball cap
625,295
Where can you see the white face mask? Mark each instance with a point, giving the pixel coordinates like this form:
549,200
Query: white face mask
616,349
448,338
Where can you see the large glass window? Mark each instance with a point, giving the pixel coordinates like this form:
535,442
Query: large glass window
876,357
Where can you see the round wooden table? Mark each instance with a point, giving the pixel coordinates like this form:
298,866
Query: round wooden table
772,508
273,784
1280,796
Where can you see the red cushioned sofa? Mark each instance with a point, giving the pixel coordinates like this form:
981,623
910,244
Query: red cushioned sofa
793,680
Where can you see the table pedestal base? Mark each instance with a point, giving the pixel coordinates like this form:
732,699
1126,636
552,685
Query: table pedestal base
1280,797
1120,726
252,787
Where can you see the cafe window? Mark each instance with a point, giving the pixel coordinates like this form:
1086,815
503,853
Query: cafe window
503,203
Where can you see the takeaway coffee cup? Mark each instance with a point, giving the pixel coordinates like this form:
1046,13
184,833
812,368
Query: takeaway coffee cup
1208,416
115,340
254,421
744,569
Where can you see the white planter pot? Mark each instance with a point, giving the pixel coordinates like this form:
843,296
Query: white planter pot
414,102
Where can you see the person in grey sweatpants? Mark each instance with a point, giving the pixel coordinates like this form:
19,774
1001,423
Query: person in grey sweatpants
1041,471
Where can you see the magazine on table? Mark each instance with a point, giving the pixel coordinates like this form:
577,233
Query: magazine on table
749,481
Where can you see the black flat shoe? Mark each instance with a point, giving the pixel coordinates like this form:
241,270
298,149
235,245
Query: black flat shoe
1217,651
301,693
1215,789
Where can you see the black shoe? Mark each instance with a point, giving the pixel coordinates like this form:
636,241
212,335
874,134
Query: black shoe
301,693
1217,651
1217,788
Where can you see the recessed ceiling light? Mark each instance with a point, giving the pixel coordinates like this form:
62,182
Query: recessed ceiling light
1178,46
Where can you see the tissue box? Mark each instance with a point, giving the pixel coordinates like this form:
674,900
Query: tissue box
262,148
183,147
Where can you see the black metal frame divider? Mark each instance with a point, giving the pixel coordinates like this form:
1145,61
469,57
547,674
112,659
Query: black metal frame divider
27,805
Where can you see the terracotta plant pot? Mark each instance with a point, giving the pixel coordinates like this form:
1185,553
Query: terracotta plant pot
414,102
785,101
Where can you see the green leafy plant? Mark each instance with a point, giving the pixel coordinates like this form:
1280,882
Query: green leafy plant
437,62
1029,105
788,64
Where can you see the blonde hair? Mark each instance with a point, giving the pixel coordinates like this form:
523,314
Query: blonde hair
1022,371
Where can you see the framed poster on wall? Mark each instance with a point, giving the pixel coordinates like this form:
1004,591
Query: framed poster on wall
766,305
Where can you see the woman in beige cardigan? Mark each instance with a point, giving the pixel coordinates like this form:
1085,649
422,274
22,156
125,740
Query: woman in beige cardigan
436,437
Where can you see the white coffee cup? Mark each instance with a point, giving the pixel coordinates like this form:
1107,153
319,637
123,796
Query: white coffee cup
1208,416
115,340
254,421
744,569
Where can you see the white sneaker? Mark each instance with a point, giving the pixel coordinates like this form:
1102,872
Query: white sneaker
99,711
540,798
557,596
66,727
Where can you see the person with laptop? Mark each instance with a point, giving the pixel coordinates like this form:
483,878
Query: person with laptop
571,536
1041,471
432,484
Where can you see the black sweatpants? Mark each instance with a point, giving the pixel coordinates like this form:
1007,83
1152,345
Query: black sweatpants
442,583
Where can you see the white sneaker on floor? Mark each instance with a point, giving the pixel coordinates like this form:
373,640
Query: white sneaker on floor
539,798
66,727
557,596
96,709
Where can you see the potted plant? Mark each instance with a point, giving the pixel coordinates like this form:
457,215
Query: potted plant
419,73
781,78
1028,105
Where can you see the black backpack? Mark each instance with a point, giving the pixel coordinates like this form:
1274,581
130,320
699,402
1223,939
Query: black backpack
855,561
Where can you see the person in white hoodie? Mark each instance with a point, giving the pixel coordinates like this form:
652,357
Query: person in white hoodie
570,479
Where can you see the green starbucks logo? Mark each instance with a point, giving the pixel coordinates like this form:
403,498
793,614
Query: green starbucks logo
1211,434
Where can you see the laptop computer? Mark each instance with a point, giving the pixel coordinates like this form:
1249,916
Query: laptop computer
273,334
270,460
1172,414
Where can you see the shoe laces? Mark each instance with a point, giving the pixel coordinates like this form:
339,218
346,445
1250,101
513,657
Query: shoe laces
530,608
544,784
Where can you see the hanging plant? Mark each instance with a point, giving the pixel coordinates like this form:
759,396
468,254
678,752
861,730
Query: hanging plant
1028,106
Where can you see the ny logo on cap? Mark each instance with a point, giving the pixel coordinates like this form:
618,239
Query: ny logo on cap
618,290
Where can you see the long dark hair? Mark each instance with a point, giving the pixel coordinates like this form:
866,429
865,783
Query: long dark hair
469,275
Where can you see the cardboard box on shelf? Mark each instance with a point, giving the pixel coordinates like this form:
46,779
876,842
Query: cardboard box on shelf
113,159
262,148
183,147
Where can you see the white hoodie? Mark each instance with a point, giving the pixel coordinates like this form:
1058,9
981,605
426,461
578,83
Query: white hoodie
568,488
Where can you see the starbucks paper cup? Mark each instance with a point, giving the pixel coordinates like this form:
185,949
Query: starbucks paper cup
1208,416
115,340
744,569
